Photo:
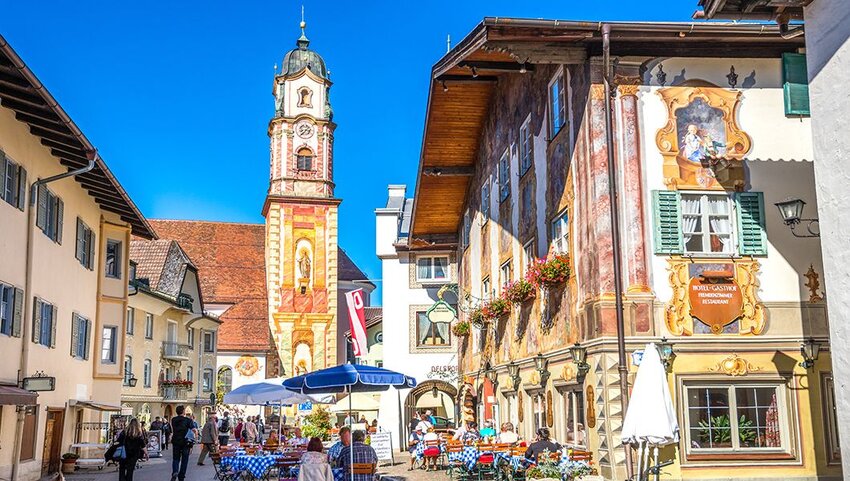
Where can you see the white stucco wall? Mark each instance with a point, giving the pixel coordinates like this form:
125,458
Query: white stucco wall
828,57
229,359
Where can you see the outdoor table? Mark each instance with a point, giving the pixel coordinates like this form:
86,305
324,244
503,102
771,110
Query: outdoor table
339,473
256,465
420,449
469,457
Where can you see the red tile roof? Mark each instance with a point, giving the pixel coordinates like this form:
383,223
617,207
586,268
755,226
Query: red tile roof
230,258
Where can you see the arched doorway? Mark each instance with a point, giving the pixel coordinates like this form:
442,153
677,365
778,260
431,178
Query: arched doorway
167,411
436,396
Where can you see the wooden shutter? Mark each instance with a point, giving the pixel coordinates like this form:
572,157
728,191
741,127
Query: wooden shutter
75,334
22,188
18,315
752,239
87,334
92,246
795,83
2,175
41,217
81,240
36,320
60,212
53,310
667,212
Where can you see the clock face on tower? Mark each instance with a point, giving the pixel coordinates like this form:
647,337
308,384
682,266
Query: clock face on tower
304,129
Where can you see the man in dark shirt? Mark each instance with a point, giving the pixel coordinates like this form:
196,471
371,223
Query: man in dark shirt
180,425
542,445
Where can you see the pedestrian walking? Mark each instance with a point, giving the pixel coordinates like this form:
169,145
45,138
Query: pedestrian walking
225,426
166,432
182,440
209,439
133,441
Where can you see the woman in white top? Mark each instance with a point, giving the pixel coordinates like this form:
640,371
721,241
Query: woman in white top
507,434
314,463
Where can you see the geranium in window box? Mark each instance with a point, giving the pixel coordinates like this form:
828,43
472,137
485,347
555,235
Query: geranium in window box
549,272
476,317
519,291
460,329
495,308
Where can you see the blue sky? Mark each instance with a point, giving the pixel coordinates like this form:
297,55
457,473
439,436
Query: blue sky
177,96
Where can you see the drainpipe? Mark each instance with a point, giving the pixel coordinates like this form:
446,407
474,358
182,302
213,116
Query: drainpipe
622,367
19,426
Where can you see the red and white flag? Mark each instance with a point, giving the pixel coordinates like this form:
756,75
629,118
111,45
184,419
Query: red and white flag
357,315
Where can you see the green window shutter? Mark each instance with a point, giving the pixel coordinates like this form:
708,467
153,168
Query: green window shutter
668,225
18,315
752,239
36,320
795,83
75,334
60,212
41,217
22,188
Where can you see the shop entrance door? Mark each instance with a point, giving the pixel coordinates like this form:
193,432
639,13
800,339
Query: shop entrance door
51,455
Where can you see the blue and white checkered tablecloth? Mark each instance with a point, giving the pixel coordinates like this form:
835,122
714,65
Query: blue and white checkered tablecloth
339,473
420,449
516,462
469,457
256,465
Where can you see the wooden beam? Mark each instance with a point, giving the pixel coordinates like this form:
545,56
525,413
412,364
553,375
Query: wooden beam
496,66
21,96
467,79
67,140
41,111
56,127
459,171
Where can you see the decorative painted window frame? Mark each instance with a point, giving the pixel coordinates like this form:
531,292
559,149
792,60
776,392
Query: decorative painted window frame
413,346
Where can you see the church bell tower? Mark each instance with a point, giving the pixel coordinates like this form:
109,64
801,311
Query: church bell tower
301,215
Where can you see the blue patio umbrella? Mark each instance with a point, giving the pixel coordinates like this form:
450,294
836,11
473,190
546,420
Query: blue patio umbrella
349,378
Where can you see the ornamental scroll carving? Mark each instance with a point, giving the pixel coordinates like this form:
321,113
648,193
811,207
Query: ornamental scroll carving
701,143
734,365
677,312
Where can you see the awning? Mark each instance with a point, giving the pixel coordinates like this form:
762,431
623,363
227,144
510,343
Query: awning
96,406
13,395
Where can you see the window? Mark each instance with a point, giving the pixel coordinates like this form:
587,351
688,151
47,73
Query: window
525,203
225,379
190,374
830,419
304,159
113,258
208,380
128,369
305,97
80,334
712,224
146,373
526,146
429,269
11,310
557,104
50,213
795,84
560,233
505,176
190,337
85,245
431,333
485,200
108,344
209,341
44,323
528,255
467,228
538,411
13,182
573,405
735,417
506,273
707,223
131,320
486,290
148,326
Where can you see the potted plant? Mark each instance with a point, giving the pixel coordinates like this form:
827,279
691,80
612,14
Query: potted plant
545,469
519,291
575,469
476,317
69,462
546,273
495,308
460,329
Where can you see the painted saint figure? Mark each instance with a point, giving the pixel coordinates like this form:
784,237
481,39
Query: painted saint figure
304,265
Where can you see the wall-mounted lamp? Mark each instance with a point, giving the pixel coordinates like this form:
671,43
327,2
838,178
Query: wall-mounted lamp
522,69
132,381
434,392
809,348
513,373
791,210
579,354
491,374
541,364
445,87
665,351
474,72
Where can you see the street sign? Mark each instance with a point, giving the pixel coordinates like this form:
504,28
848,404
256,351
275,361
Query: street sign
305,406
637,357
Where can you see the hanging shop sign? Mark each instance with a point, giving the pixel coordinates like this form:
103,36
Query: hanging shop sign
716,299
441,312
39,382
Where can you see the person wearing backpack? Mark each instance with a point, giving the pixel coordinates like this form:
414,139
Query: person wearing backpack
182,440
132,446
224,428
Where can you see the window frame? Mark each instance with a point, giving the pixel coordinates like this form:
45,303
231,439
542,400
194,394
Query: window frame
111,348
113,270
529,255
560,220
147,373
506,268
785,410
705,217
7,308
85,245
525,146
571,409
504,176
300,159
228,386
207,380
53,210
562,96
130,328
432,328
83,328
486,288
148,325
485,200
431,266
830,419
466,231
208,341
128,369
46,327
190,374
190,338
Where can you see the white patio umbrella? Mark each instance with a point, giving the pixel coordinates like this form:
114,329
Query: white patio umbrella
271,392
650,420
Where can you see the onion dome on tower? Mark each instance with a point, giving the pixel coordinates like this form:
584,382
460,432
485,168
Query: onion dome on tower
301,56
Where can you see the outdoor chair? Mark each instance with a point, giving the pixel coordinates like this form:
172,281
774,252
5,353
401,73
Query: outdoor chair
432,451
485,466
221,473
456,467
364,468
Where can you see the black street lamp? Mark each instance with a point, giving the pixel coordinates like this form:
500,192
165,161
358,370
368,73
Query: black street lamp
665,351
809,349
791,210
579,354
541,364
513,373
132,381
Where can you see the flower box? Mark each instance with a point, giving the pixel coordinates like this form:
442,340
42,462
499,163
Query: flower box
519,291
546,273
495,308
460,329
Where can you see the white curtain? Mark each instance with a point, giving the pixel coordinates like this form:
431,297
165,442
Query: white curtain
721,225
443,331
690,216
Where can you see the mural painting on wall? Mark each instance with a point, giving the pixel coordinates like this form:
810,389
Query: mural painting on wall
247,365
701,142
714,298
